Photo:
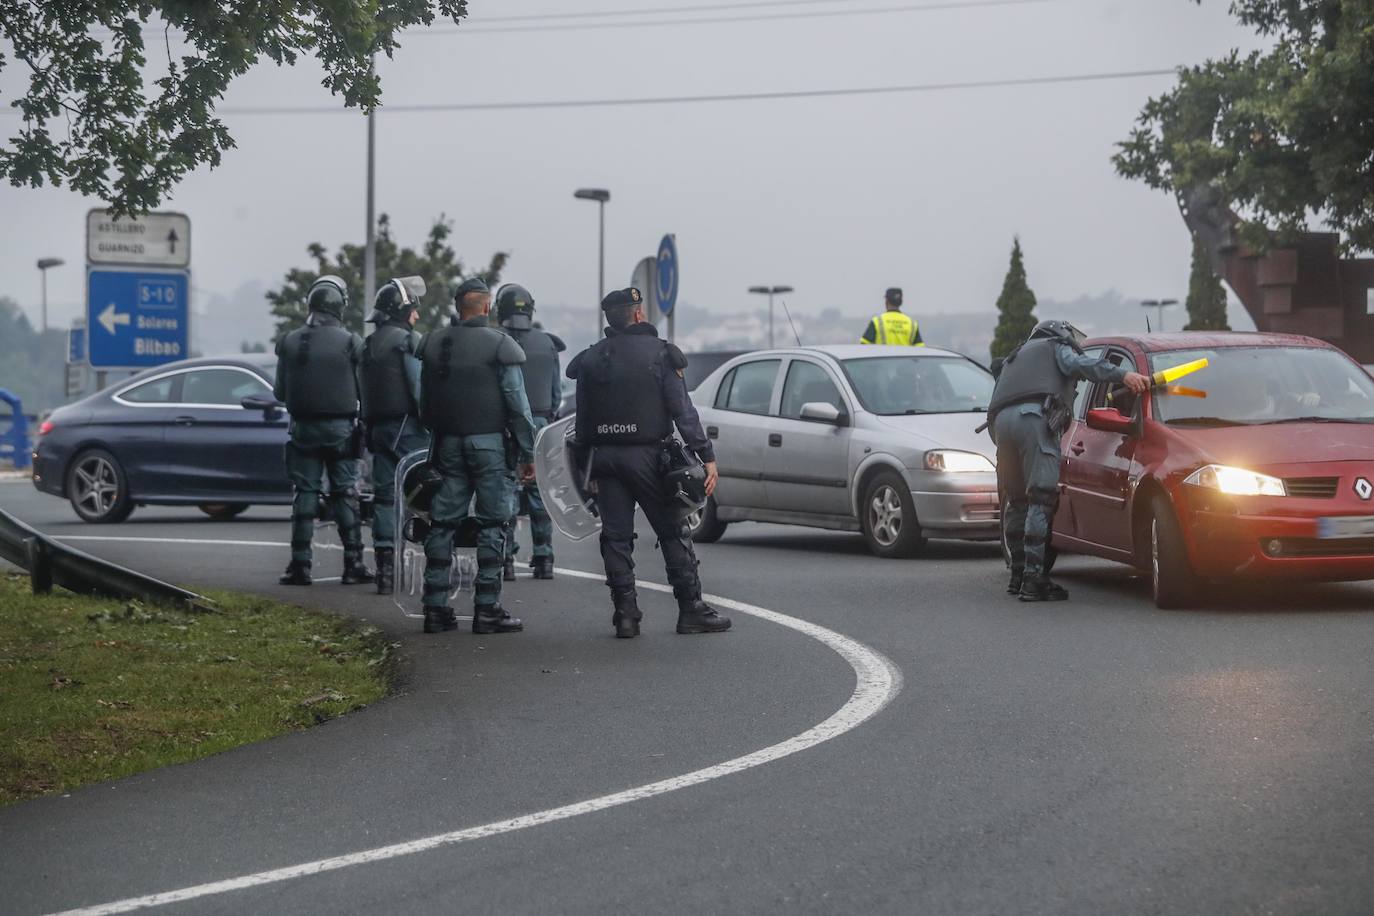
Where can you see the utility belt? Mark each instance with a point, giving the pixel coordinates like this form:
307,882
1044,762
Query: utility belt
351,415
1057,414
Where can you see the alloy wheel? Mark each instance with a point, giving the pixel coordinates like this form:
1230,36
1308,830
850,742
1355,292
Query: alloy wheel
97,486
885,516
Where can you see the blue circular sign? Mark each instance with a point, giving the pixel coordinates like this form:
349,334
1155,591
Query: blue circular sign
667,274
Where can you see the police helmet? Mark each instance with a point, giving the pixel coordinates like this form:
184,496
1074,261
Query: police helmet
397,299
1057,329
686,489
421,484
328,294
515,307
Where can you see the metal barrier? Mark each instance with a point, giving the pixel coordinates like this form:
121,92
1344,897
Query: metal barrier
14,440
49,562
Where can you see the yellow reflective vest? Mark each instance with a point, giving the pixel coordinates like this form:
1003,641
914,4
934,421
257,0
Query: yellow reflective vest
893,328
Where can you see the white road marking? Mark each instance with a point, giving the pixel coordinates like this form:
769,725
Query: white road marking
877,682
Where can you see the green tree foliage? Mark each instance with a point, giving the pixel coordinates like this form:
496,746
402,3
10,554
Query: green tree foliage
1015,307
32,363
118,119
1206,296
1281,134
436,262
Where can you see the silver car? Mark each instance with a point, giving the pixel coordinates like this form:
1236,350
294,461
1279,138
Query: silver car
855,438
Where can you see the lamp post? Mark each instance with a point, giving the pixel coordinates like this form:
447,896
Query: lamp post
1161,305
600,195
43,265
770,291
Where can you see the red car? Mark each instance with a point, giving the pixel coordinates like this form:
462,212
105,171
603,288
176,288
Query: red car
1260,465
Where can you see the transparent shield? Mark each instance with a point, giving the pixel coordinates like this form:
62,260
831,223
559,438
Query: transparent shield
414,286
563,483
410,554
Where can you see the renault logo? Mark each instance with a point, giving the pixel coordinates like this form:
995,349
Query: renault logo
1363,488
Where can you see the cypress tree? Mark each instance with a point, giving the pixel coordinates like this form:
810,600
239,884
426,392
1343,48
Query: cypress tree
1206,296
1015,307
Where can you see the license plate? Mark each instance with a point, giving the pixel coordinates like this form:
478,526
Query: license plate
1348,526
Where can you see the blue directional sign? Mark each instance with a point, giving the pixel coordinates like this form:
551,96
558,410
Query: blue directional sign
137,318
667,274
76,344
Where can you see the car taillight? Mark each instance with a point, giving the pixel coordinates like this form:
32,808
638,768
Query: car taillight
45,427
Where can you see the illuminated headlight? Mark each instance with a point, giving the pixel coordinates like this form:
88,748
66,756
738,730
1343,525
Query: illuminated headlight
1236,481
957,462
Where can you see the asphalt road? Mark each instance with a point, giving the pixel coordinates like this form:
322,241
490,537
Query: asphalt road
1097,756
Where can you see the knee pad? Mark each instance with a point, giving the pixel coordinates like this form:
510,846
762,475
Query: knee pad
1044,496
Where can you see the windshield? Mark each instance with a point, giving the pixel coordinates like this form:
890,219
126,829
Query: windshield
1260,385
896,385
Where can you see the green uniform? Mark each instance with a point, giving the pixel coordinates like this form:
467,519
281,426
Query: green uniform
390,441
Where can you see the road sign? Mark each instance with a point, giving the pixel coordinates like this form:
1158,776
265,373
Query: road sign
76,379
643,280
137,318
76,342
666,278
151,240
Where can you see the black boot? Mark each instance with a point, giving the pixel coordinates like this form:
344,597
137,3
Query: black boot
543,567
297,573
1017,577
1040,588
627,614
355,573
386,570
438,619
508,570
494,619
696,616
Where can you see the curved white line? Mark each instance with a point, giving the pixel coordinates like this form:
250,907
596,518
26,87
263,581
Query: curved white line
877,682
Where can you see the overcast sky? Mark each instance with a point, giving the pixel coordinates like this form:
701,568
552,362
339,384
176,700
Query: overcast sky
838,197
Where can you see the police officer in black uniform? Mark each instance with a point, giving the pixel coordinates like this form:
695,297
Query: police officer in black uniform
1029,412
630,394
391,410
317,377
543,387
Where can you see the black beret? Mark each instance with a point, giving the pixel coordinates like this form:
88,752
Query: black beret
622,297
470,285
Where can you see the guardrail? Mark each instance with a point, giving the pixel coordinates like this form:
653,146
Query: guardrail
49,562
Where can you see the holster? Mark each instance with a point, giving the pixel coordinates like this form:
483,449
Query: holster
1057,414
356,441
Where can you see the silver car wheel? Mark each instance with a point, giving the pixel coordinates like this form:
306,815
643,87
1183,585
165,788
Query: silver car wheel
885,516
97,485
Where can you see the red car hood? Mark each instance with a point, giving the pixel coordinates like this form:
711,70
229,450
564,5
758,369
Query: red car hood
1257,447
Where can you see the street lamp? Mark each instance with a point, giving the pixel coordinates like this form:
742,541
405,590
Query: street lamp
770,291
43,265
1160,304
600,195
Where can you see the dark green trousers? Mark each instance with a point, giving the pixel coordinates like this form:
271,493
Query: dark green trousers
320,451
390,441
475,482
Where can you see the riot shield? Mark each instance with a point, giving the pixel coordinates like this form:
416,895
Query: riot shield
563,481
412,524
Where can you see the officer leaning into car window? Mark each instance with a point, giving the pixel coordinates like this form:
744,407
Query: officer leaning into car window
630,393
391,410
544,388
1029,411
472,396
893,327
317,377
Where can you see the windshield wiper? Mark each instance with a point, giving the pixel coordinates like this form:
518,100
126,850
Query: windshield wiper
1205,421
1317,420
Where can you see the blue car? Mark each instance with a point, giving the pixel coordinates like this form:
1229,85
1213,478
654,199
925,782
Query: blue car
200,432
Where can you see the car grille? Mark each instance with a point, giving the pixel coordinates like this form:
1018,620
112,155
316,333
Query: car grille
1315,547
1312,487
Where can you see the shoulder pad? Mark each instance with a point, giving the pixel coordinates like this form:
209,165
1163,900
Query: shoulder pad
414,341
676,358
575,365
508,352
558,343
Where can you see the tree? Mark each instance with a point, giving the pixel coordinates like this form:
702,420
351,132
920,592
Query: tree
102,117
1206,296
1015,307
436,262
32,363
1281,134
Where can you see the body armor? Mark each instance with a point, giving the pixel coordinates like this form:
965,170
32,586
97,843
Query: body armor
320,362
386,389
461,378
540,368
622,392
1032,374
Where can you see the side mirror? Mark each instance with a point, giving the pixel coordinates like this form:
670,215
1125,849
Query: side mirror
823,412
270,407
1110,420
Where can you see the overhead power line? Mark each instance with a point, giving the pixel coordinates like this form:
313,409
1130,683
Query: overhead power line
723,97
659,10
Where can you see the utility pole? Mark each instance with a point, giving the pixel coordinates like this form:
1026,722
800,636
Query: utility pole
769,291
43,265
1161,305
370,252
600,195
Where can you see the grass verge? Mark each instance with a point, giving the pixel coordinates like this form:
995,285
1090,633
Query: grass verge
99,688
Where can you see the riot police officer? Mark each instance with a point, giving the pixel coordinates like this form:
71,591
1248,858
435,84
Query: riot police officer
544,388
630,394
472,396
317,377
391,409
1029,411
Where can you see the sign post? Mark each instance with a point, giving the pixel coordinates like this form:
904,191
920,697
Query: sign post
643,280
76,357
666,280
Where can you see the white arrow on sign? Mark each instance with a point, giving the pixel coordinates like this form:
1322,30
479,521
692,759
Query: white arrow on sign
109,318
